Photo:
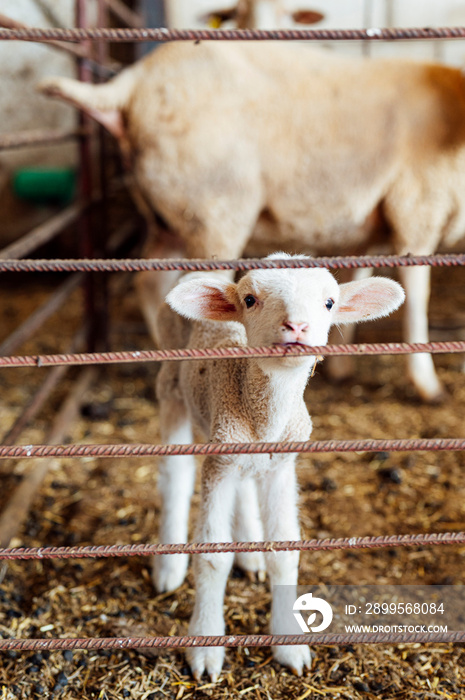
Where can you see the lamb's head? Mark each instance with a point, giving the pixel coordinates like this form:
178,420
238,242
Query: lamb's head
286,306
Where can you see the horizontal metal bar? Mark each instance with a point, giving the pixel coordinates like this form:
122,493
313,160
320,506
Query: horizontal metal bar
236,640
235,352
145,550
163,34
239,448
339,262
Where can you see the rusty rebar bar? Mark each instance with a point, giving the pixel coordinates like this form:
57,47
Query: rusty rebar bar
234,448
201,265
236,640
236,352
145,550
163,34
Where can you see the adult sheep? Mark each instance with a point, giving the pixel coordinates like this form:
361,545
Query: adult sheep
241,148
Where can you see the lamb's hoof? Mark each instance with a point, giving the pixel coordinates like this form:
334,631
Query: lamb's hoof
209,659
169,571
256,576
436,396
296,658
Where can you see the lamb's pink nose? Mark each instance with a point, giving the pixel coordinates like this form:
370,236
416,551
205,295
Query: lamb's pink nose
296,328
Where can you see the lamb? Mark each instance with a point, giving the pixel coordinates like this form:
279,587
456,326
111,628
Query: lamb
241,148
244,400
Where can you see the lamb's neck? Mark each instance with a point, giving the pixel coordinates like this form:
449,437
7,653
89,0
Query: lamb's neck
272,395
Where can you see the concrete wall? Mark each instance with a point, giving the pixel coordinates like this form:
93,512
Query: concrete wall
22,65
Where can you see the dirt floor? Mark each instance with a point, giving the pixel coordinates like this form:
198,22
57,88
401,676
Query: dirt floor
95,501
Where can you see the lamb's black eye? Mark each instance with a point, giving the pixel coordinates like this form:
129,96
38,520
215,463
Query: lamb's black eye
329,303
249,301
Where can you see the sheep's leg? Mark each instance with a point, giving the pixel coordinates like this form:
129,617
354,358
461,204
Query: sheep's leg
176,484
248,527
152,287
341,368
278,500
211,570
416,281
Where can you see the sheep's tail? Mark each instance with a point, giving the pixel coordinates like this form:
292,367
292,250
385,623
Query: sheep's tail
108,97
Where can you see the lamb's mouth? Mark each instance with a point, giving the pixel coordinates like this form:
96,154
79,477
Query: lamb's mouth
291,343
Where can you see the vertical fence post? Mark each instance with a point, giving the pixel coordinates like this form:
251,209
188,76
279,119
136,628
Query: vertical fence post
85,184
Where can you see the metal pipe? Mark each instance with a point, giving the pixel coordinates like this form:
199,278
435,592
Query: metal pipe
79,51
349,262
43,233
124,13
38,317
124,35
18,506
36,137
86,186
56,374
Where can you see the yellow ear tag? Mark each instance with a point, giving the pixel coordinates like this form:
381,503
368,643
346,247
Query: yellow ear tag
215,21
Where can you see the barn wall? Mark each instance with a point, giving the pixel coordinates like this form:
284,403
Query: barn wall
23,64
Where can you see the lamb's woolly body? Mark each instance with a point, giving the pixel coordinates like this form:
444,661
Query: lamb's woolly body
256,402
248,497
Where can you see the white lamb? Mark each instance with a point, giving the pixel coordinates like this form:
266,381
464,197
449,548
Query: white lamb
244,400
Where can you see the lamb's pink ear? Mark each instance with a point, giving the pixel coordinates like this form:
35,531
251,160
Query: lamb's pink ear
206,299
364,300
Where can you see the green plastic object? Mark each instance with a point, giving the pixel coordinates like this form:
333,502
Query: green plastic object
45,185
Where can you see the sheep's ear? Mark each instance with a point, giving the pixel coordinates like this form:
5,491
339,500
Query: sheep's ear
364,300
206,299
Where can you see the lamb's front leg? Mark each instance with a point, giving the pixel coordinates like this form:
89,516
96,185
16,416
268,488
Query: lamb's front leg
219,483
248,527
278,500
176,479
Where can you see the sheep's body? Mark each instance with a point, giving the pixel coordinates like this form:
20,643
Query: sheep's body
247,147
245,400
